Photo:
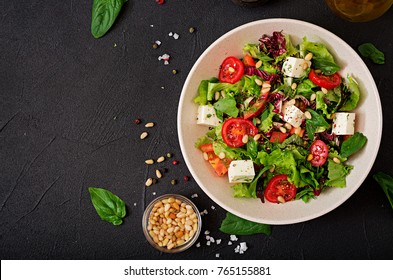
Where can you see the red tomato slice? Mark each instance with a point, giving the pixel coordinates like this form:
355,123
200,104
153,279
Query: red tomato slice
234,129
206,148
279,186
248,61
220,166
328,82
257,108
319,151
231,70
278,137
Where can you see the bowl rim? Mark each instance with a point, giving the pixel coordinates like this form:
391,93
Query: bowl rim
145,222
371,159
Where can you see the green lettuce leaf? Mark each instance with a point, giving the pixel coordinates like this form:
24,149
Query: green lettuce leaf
226,105
337,173
354,97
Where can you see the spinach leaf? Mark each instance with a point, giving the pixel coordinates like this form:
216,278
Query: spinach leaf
235,225
353,144
386,183
326,66
103,16
368,50
108,206
316,124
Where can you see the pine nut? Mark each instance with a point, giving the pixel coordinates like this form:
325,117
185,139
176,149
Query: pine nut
149,161
310,157
258,82
217,95
161,159
158,174
318,71
149,124
258,64
283,129
266,85
336,160
288,126
257,137
149,182
324,90
307,114
294,86
280,199
245,139
265,90
144,135
313,97
291,102
205,156
308,57
221,155
305,65
231,69
271,169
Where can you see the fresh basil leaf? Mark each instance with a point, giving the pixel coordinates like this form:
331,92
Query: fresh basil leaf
326,66
368,50
104,14
354,95
233,224
353,144
386,183
108,206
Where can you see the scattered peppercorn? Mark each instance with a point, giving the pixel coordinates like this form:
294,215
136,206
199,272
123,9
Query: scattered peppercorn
175,162
191,30
186,178
173,182
174,71
137,121
168,155
155,46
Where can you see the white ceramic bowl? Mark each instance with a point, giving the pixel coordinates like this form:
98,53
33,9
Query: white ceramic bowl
368,121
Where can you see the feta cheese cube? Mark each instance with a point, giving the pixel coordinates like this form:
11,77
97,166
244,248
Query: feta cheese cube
293,115
241,171
293,67
207,116
344,123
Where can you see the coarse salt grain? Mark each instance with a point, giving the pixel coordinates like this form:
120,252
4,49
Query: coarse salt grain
207,232
229,242
198,244
218,241
212,240
233,237
213,207
217,255
194,195
207,237
170,34
158,42
208,243
175,36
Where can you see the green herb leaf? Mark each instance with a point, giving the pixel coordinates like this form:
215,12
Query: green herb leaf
104,14
352,102
235,225
337,173
108,206
386,183
353,144
368,50
316,124
227,105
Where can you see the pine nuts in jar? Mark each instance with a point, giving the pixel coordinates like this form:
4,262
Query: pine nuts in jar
171,223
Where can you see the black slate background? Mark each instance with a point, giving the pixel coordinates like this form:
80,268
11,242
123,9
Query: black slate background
68,103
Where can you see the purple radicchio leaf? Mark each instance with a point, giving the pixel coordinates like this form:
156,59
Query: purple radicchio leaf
274,45
272,78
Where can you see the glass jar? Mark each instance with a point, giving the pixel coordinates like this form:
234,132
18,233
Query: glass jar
359,10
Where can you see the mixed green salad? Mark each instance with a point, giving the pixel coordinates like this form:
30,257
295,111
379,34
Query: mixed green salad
281,121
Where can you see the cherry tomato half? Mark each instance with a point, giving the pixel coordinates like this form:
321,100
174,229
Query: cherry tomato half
278,137
279,186
257,107
319,151
234,129
328,82
231,70
248,61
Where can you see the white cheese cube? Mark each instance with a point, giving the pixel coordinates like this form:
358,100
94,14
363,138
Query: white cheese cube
241,171
207,116
344,123
293,67
293,115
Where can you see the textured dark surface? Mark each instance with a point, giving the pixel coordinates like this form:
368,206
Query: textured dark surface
68,102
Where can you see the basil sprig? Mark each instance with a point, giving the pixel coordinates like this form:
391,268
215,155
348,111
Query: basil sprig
103,16
368,50
386,183
108,206
233,224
